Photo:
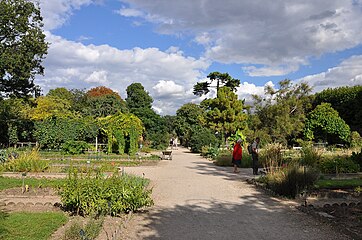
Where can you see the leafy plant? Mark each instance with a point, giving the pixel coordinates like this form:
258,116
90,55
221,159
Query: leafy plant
310,155
87,194
338,165
291,181
75,147
78,231
28,161
357,158
271,156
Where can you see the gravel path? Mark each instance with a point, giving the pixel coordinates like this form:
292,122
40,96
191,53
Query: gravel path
195,199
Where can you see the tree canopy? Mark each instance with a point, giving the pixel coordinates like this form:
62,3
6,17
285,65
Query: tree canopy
222,79
22,47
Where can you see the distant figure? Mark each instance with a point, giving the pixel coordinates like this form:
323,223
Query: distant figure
175,143
255,155
237,155
171,143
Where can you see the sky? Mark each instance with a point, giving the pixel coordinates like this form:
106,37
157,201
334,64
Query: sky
169,45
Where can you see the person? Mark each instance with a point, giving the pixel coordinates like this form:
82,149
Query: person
255,155
237,155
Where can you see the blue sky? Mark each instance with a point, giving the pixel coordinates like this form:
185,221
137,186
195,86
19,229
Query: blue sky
168,46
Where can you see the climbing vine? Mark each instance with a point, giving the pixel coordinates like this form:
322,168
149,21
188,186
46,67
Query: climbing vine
122,129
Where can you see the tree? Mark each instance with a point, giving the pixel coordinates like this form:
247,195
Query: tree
137,97
324,123
281,113
222,79
224,114
103,101
187,118
22,47
346,100
139,103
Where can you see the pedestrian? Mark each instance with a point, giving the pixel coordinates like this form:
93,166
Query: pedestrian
237,155
255,155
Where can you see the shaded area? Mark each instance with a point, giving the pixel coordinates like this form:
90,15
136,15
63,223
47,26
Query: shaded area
254,217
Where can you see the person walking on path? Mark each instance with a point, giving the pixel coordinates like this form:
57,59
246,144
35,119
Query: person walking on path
237,155
255,155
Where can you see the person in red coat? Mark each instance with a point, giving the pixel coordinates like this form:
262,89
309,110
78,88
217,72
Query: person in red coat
237,155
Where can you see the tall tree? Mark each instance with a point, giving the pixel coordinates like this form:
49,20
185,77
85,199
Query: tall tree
222,79
282,111
22,47
137,97
224,114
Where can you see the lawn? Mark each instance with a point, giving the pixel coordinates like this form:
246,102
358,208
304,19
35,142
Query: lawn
339,183
6,182
29,226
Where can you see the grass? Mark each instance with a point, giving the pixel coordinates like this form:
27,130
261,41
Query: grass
30,226
6,182
339,183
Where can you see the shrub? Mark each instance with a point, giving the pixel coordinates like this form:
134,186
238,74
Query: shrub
271,156
202,137
357,158
87,194
75,147
209,152
79,231
223,158
310,155
28,161
338,165
291,181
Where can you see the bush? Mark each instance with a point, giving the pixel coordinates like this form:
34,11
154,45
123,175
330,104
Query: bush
291,181
209,152
28,161
271,156
338,165
98,195
310,155
75,147
202,137
223,158
357,158
79,231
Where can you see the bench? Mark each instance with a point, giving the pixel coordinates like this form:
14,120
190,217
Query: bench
166,155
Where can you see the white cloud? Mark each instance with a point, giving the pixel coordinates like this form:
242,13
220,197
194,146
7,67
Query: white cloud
128,12
348,73
168,89
246,90
75,65
57,12
280,34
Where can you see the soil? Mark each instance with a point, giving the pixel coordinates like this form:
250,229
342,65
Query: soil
194,199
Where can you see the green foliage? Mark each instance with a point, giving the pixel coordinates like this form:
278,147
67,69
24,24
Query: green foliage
338,183
356,140
187,117
338,165
105,105
22,47
91,230
345,100
291,181
223,158
271,157
235,137
28,161
209,152
222,79
310,155
324,123
98,195
10,182
202,137
30,226
137,97
75,147
122,129
357,158
224,114
281,113
52,133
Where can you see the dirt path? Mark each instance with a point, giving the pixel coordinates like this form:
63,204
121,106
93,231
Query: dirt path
194,199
